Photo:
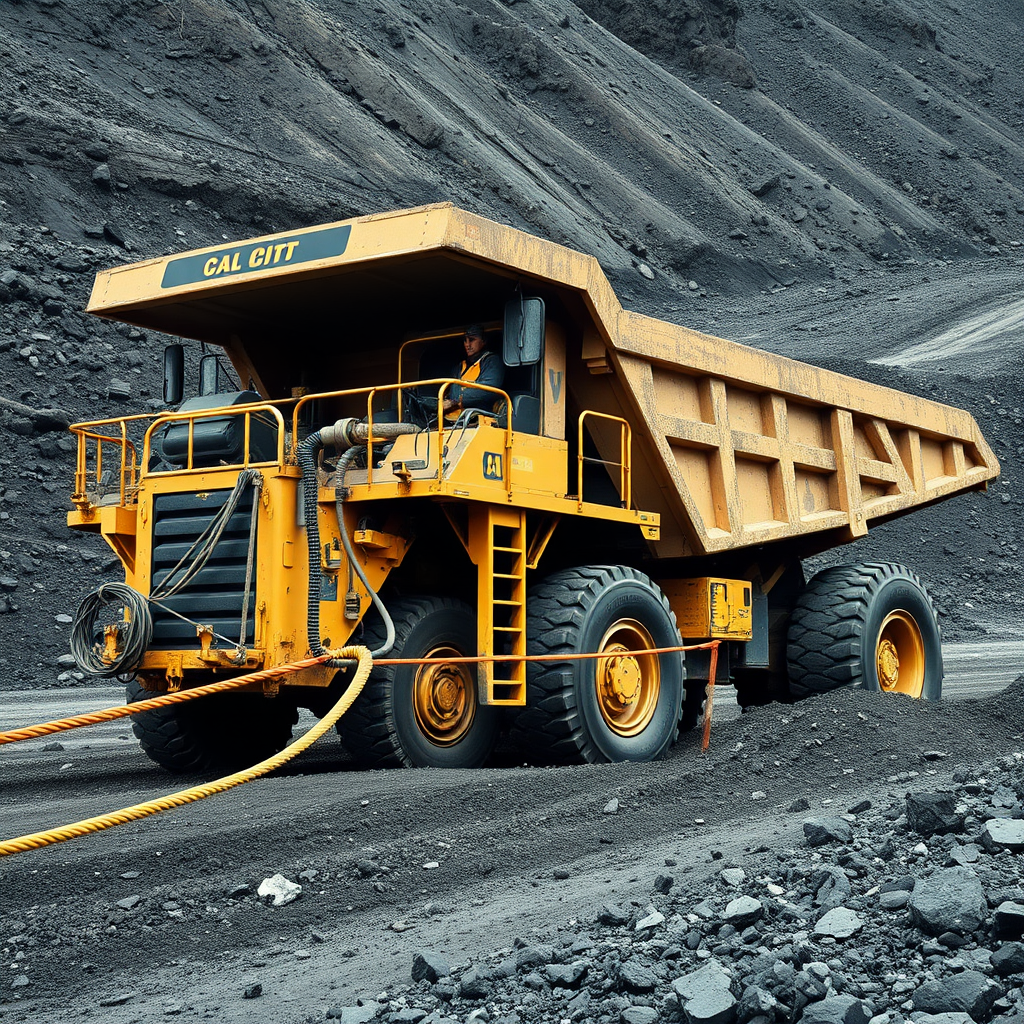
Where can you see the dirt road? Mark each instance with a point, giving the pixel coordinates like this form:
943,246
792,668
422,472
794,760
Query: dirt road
176,893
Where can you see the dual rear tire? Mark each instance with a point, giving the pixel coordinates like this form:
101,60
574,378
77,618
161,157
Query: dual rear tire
871,626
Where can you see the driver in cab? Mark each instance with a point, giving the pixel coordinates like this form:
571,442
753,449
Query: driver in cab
481,366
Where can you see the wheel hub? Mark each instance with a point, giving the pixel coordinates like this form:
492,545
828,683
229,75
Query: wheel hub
899,655
444,699
888,665
621,679
628,684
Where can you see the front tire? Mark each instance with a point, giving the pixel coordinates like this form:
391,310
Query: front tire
872,626
622,707
422,716
222,731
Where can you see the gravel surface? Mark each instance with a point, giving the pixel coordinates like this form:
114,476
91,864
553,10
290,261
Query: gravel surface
517,853
842,185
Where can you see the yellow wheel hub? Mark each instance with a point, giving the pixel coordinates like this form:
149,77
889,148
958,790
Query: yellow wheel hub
899,655
444,698
628,684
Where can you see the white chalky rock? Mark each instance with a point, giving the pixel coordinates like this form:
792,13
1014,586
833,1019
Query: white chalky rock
281,889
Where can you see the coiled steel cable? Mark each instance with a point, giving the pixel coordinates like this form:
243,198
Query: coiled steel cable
136,631
136,627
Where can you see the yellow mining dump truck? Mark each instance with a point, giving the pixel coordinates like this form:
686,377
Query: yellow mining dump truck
621,484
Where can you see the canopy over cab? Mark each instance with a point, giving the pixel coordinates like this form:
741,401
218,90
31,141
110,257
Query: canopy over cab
731,445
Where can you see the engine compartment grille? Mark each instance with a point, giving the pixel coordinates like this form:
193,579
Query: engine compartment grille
214,597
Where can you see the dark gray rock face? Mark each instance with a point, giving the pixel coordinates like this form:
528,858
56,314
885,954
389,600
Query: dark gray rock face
1008,959
950,900
838,1009
969,992
429,966
820,831
1008,919
933,813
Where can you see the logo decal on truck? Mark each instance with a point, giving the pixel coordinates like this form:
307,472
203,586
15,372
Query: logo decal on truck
492,466
244,259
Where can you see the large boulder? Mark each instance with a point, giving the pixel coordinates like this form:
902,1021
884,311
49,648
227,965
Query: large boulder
820,831
837,1009
706,995
839,923
950,900
933,813
968,992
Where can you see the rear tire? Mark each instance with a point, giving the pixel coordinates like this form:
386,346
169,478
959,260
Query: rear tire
223,731
422,716
619,708
872,626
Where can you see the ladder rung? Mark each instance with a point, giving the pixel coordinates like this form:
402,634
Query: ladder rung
508,629
515,604
509,551
507,576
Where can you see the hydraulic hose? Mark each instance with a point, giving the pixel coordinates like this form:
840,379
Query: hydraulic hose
339,495
306,454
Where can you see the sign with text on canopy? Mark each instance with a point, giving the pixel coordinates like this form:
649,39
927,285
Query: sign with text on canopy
254,256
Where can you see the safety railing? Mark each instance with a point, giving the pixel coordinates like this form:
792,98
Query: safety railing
91,487
190,419
128,434
442,384
624,465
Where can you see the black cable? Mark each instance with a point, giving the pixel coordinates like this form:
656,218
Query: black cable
306,455
136,631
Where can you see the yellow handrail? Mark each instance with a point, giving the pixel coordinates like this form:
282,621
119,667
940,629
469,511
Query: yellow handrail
237,410
625,455
443,383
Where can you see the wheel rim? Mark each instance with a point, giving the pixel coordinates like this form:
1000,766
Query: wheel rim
444,698
628,685
899,655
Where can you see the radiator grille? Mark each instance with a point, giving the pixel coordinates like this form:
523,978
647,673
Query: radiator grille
214,597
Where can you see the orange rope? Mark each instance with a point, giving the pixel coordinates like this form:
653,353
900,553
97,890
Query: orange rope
186,796
474,660
122,711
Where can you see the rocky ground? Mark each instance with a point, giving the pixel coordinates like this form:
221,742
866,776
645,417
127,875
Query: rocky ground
840,184
804,808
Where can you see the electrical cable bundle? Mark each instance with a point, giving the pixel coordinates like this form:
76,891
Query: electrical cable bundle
136,626
136,630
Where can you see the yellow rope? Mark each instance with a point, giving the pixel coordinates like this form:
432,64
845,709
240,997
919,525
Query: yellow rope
186,796
121,711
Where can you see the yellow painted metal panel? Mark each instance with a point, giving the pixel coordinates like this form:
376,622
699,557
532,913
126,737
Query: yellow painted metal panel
710,608
732,445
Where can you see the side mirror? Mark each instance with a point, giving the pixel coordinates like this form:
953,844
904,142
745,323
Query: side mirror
209,375
174,374
523,336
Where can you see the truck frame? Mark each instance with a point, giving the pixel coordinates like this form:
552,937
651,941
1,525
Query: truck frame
632,485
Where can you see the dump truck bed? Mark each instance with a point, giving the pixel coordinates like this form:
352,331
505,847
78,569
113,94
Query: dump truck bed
733,446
